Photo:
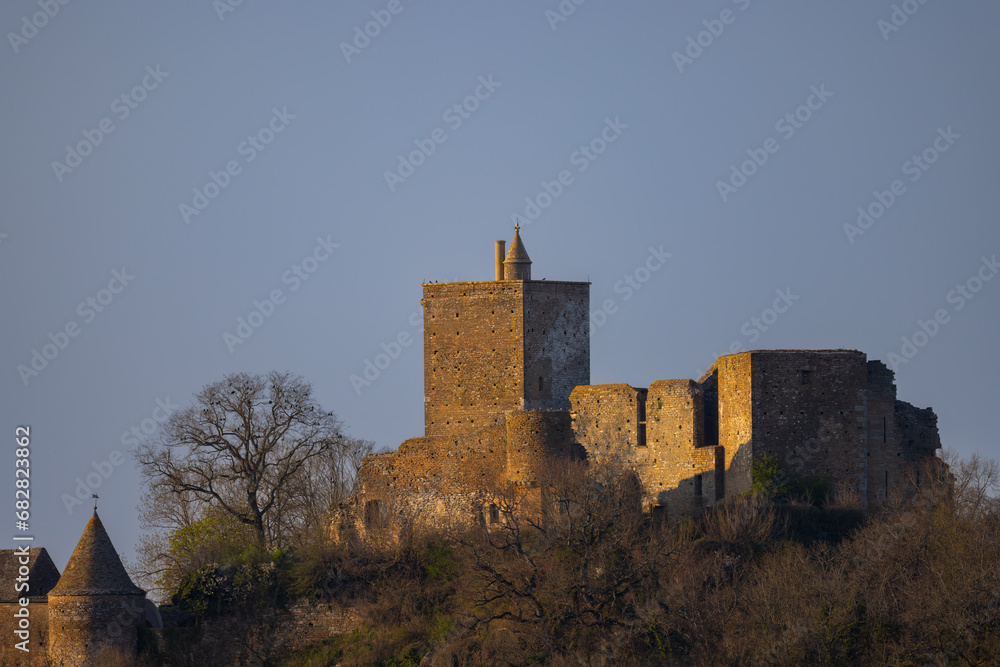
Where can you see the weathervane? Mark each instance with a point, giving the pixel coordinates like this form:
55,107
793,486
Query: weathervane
94,496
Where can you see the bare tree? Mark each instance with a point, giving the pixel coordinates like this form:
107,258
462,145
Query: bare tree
567,560
252,446
159,566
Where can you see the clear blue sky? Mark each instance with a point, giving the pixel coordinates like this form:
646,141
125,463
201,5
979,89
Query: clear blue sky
309,127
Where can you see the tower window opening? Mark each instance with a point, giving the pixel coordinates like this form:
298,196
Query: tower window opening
541,383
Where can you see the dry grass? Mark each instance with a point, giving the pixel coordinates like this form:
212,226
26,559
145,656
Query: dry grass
749,519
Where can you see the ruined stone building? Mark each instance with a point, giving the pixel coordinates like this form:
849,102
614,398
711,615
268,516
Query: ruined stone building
71,618
507,391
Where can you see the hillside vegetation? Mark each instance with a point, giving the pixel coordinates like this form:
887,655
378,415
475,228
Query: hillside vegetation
778,578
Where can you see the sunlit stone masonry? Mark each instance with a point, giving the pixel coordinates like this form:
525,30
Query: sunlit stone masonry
507,393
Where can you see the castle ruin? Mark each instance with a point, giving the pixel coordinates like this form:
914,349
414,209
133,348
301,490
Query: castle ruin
507,392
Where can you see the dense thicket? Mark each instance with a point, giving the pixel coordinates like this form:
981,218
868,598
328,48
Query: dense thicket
758,580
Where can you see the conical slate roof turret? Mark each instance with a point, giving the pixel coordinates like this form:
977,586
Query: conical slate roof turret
95,568
517,266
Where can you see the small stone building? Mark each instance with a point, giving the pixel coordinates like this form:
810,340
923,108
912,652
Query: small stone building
507,392
25,574
94,604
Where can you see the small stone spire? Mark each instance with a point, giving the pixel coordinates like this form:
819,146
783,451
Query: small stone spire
95,568
517,266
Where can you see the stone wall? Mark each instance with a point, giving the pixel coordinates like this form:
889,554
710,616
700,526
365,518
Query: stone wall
473,354
606,419
735,419
428,482
679,471
535,439
309,624
822,413
492,347
659,432
81,625
918,431
809,410
885,467
556,342
38,643
918,442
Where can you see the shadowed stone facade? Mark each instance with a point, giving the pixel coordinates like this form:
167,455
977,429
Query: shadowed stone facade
29,577
829,413
507,391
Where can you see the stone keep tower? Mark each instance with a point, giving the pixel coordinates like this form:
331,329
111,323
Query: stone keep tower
512,343
95,604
